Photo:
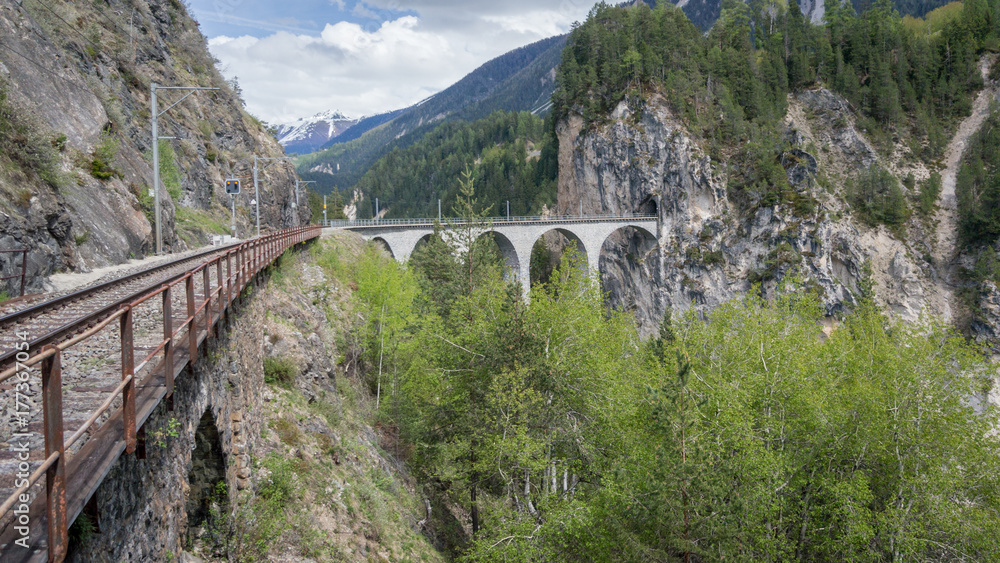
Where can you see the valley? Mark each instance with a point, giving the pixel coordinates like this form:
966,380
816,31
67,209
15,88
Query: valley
748,309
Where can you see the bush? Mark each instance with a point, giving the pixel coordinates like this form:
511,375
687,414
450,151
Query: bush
280,371
876,195
21,141
930,190
246,529
987,266
104,153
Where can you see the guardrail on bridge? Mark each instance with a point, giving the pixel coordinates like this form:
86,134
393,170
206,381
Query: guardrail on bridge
493,220
70,480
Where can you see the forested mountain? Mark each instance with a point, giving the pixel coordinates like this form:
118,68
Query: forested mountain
703,13
511,155
522,80
731,85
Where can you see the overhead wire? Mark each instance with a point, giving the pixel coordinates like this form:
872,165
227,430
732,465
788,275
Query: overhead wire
78,32
30,60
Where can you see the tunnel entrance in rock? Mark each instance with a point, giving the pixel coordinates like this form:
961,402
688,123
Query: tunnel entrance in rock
208,469
629,265
648,207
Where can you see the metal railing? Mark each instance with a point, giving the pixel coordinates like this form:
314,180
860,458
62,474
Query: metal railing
242,263
24,266
520,219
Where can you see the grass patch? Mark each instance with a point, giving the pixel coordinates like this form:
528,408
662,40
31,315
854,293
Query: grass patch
287,431
170,173
327,410
280,371
195,225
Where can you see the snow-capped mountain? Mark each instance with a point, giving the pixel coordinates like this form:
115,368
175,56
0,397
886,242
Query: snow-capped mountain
308,134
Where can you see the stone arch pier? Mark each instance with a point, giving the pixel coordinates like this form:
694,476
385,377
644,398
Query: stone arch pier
514,237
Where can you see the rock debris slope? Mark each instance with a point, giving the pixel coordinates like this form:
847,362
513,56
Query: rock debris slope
75,132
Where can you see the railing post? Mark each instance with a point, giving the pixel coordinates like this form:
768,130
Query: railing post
220,300
168,338
239,271
229,284
192,326
128,369
206,281
240,252
55,476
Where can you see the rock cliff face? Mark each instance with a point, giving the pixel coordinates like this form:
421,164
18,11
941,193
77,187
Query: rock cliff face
642,159
75,128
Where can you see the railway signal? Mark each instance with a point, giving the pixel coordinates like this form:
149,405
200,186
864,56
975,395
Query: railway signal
233,186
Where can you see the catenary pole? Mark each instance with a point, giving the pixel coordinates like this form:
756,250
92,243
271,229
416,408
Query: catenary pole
156,168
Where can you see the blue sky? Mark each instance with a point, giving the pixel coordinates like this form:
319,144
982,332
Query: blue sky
300,57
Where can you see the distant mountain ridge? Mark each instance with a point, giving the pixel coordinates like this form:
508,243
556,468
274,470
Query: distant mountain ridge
309,134
520,80
703,13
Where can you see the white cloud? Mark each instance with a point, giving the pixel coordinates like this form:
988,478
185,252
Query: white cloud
365,70
286,76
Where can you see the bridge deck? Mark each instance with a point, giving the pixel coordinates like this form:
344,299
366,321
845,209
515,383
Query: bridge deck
493,221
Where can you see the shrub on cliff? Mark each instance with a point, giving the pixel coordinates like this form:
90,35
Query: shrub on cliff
280,371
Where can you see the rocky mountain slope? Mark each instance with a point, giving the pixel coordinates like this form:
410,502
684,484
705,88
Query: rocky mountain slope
308,134
75,127
521,80
645,159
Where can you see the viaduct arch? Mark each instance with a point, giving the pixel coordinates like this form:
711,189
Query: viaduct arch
514,237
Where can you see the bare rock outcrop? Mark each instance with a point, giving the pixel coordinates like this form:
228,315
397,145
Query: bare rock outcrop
642,159
83,99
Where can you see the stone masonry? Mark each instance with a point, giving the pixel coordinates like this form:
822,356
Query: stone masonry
141,505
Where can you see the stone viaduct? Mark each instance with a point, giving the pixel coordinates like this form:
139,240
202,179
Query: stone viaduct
515,236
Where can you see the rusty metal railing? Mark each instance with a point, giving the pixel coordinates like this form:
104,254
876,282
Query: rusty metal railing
242,263
24,266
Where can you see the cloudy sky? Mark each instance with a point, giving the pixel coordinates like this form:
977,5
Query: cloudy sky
299,57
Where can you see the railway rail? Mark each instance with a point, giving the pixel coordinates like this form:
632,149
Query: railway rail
56,319
103,370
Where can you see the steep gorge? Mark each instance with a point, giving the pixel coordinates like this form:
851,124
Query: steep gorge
643,158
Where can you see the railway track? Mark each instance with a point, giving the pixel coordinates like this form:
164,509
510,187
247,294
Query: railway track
55,320
100,360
